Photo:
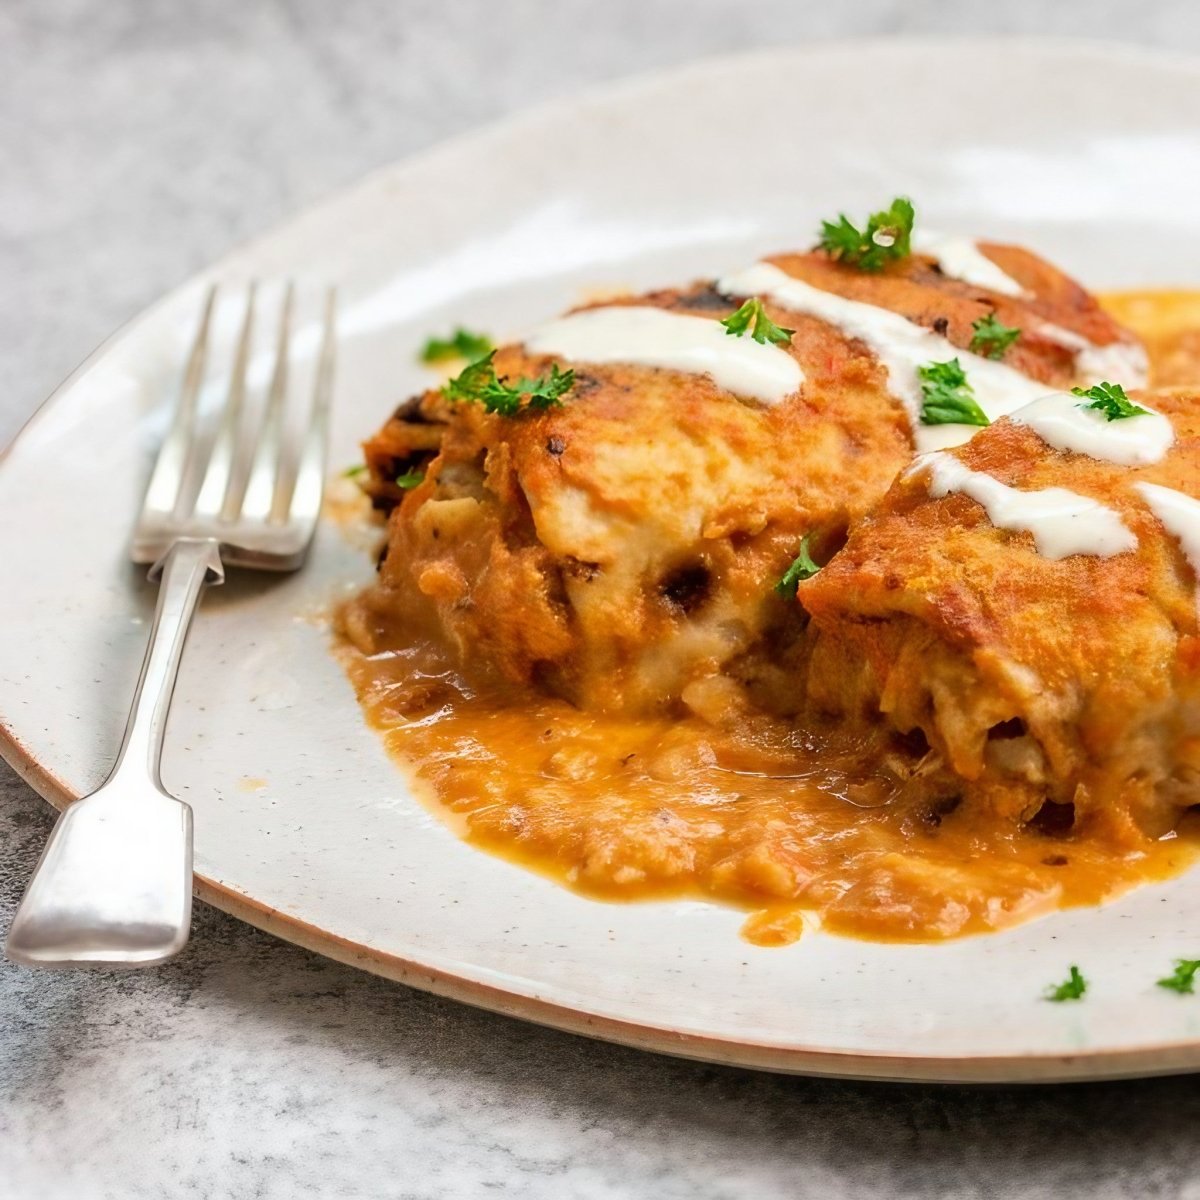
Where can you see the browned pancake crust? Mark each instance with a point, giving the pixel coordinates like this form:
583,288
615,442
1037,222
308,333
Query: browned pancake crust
621,549
1071,681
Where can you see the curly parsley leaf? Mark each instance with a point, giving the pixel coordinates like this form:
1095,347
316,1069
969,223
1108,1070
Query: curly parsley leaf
1183,978
752,317
886,238
947,397
1072,988
462,343
355,471
1110,399
409,479
479,384
991,337
802,568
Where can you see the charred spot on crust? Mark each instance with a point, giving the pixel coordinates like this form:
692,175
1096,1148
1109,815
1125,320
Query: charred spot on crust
1055,860
1053,819
941,325
555,446
706,298
1014,727
584,384
687,587
409,412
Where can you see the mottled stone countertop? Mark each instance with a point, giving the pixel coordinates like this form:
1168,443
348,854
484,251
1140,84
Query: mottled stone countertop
140,140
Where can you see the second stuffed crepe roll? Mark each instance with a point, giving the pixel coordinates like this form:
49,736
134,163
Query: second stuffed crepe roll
1023,608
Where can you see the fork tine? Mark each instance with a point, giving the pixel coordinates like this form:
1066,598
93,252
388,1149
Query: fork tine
267,473
310,472
220,492
165,490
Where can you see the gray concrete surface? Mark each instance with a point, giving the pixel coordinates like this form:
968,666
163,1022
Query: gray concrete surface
137,141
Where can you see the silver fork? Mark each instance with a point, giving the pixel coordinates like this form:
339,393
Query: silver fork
114,885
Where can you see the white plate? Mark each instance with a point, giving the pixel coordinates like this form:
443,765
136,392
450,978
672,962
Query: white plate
304,826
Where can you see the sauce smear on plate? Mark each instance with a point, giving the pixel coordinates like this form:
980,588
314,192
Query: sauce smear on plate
774,819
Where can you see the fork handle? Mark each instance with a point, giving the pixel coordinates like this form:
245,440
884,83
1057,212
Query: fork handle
114,884
182,572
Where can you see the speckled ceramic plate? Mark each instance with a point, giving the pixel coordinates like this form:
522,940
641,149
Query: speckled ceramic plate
304,827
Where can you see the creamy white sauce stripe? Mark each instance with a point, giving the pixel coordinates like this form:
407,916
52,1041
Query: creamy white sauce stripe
653,337
1062,522
900,345
1180,516
1064,421
961,258
1118,362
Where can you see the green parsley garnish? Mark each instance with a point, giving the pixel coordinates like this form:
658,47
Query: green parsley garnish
1072,988
946,396
462,343
1110,399
802,568
479,384
752,316
992,337
354,472
1183,979
887,237
409,479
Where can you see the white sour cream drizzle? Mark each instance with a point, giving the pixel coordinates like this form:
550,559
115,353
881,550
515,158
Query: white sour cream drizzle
1062,522
1180,516
900,345
1118,362
961,258
653,337
1065,422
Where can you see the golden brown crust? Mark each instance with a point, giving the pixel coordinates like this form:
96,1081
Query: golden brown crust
623,546
964,631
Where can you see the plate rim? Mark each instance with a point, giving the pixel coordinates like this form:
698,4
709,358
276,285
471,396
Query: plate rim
1158,1059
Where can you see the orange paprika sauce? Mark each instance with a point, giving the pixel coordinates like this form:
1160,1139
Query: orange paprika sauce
793,825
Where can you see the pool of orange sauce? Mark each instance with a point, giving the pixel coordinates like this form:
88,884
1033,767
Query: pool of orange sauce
788,824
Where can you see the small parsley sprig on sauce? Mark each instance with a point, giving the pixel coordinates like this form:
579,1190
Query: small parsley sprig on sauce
1183,978
462,343
1110,399
355,471
752,318
947,397
479,384
1072,988
409,479
802,568
886,238
991,337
